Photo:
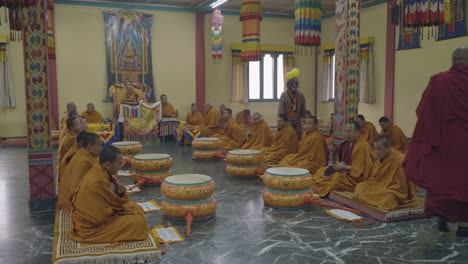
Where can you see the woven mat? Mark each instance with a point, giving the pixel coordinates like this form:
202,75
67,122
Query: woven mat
67,251
413,210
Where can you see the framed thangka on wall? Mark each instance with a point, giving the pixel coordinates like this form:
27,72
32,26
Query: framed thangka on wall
454,20
128,52
409,38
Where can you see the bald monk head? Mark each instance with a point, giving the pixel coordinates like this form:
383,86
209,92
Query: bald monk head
361,120
227,112
352,131
71,106
110,159
282,121
460,55
385,123
74,124
92,143
256,118
310,124
381,148
90,108
194,107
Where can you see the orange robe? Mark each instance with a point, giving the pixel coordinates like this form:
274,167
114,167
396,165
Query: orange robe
387,186
195,119
260,136
284,142
168,110
211,120
358,157
100,216
312,154
398,138
329,134
233,138
66,159
65,145
63,126
79,165
368,132
94,117
240,120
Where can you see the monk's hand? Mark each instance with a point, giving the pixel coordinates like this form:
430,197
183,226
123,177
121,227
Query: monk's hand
119,190
338,166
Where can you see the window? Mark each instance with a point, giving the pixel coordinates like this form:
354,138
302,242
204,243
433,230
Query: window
266,78
328,71
333,77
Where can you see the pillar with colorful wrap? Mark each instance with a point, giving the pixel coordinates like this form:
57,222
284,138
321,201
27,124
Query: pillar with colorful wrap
250,16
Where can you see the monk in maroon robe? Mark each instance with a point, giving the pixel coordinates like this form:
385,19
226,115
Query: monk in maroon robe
436,159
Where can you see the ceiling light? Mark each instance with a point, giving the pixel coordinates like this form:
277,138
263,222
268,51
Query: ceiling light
217,3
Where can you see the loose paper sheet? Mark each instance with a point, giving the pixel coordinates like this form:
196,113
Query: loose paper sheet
134,190
149,206
346,215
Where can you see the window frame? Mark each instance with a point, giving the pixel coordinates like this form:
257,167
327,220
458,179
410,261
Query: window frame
275,98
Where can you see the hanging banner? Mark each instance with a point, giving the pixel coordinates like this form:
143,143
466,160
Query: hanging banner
128,51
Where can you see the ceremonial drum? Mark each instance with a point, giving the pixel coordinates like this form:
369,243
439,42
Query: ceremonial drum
128,149
188,196
151,168
243,163
205,148
287,187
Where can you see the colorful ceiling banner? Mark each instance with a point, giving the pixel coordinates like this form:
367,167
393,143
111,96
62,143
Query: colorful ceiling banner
454,25
250,16
128,51
216,22
307,29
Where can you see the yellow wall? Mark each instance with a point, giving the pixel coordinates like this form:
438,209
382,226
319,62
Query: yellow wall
218,76
13,120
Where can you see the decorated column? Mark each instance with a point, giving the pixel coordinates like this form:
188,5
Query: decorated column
41,176
347,57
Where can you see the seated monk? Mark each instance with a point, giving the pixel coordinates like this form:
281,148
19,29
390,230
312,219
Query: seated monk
73,128
78,166
63,129
387,187
233,136
221,109
131,97
313,151
69,155
284,142
243,119
260,134
353,167
91,115
168,110
368,131
193,128
211,119
63,123
227,113
194,117
394,133
102,211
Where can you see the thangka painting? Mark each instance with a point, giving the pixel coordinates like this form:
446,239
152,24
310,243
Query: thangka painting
454,20
409,38
128,51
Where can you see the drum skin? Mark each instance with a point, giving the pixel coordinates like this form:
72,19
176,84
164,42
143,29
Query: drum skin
178,209
287,178
285,199
244,157
187,191
141,163
206,143
241,171
128,147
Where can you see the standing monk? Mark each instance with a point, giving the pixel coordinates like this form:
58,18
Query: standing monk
313,151
168,110
368,131
436,157
73,128
260,134
91,115
210,120
284,142
292,103
394,133
102,211
354,165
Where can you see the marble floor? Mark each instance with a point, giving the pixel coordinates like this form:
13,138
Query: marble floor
243,230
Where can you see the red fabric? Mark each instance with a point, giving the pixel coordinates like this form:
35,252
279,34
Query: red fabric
439,205
436,159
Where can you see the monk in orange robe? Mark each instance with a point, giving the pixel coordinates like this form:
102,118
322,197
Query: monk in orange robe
70,107
313,150
353,166
63,127
243,119
387,186
221,109
73,128
211,119
394,133
233,136
227,113
284,142
91,115
193,128
260,134
168,110
69,155
102,211
194,117
368,130
79,165
130,97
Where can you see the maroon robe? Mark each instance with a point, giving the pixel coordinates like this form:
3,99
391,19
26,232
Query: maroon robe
436,158
295,108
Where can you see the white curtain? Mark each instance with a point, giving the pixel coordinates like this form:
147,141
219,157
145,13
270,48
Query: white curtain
366,82
239,82
327,78
7,89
